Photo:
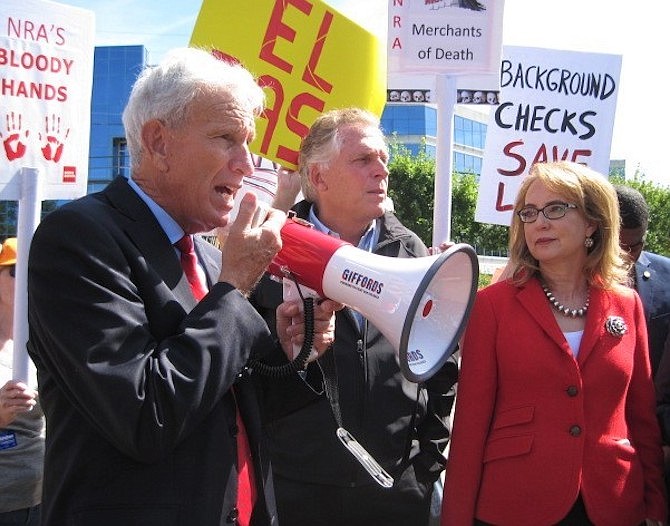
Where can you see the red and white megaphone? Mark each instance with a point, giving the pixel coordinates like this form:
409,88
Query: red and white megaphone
420,305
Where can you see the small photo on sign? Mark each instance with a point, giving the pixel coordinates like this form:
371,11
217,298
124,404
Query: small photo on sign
469,96
410,96
473,5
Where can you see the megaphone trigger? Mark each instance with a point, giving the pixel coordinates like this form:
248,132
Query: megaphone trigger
260,214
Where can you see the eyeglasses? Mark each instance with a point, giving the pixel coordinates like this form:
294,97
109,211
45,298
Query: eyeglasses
529,214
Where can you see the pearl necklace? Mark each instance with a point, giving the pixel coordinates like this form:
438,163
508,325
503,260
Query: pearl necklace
565,311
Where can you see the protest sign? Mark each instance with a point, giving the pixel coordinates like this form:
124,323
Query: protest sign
459,43
444,36
555,105
307,56
46,75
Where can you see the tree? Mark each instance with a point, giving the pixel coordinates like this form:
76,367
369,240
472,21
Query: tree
411,187
411,183
486,238
658,199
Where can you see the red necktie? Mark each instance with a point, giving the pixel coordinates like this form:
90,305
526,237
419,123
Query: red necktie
245,475
246,494
189,263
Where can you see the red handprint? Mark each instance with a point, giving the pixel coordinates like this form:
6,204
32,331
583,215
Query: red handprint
14,148
53,147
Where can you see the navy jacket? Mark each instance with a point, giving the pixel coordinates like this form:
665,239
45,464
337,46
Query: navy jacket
652,277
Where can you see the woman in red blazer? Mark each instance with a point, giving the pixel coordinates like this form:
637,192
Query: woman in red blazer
555,414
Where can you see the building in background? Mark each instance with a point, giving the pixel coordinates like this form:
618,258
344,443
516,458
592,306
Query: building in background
115,69
415,127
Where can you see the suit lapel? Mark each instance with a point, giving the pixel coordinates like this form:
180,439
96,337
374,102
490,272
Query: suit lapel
150,239
534,301
595,323
645,280
210,259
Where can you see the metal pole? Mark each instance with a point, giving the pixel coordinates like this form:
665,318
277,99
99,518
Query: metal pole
446,100
30,208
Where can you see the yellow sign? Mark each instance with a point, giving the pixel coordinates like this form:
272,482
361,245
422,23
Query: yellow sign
308,57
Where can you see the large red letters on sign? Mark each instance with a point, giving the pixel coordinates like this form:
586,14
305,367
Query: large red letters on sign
542,155
290,110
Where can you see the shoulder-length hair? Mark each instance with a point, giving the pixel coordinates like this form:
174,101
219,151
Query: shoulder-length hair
596,199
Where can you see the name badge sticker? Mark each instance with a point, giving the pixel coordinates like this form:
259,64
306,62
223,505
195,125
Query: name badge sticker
7,439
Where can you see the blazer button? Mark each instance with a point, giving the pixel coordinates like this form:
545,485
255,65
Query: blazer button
572,390
575,431
233,516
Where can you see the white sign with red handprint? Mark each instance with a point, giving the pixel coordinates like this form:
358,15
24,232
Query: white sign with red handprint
46,77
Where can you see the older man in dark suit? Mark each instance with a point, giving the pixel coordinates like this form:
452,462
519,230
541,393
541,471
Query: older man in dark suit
152,418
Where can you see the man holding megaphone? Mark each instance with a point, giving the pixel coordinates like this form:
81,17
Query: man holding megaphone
358,385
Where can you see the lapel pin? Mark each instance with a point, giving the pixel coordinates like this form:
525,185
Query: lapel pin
616,326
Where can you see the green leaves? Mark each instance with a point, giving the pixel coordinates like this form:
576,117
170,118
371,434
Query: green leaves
411,186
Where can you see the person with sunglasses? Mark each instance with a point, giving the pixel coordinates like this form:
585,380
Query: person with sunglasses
555,412
22,424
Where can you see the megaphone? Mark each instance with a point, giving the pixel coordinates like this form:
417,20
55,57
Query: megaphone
421,305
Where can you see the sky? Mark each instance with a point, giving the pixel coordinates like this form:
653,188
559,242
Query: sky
636,30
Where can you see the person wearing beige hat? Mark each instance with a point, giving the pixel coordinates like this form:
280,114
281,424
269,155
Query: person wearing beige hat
21,417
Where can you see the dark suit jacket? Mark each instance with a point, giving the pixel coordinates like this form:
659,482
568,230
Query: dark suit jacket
135,378
535,427
652,276
652,273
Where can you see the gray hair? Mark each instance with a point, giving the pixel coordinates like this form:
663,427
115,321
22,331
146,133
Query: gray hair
323,141
166,91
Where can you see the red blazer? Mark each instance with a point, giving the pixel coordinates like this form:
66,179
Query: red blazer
534,426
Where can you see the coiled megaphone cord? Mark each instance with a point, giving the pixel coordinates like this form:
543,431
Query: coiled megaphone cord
299,362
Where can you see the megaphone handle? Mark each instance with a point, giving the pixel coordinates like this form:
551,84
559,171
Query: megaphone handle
294,292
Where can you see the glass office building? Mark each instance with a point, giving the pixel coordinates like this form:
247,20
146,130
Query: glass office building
415,126
116,68
114,72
